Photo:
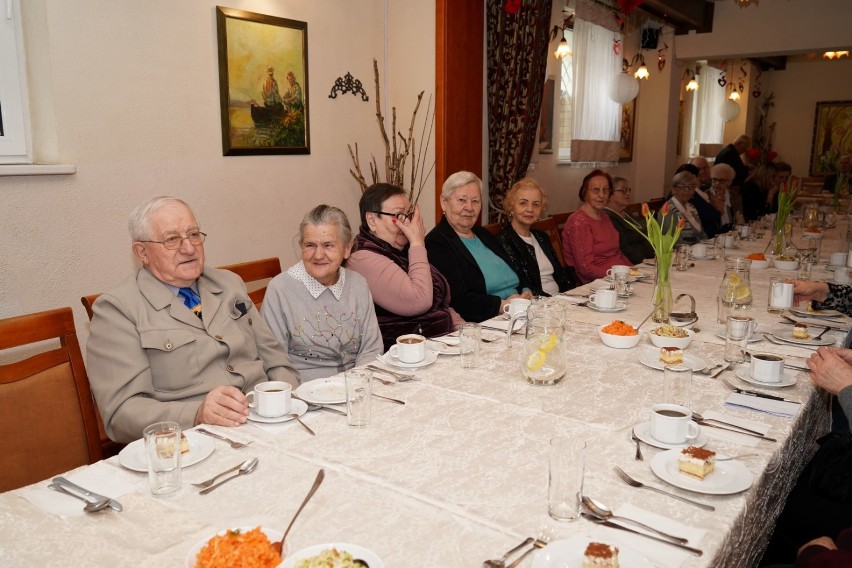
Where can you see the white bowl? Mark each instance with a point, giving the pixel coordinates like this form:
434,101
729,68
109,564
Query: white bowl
760,264
618,341
785,264
664,341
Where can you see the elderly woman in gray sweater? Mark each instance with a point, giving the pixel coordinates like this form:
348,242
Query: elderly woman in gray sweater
322,313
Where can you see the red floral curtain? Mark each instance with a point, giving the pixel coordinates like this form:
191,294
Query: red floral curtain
517,48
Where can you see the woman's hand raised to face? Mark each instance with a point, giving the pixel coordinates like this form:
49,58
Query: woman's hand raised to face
413,228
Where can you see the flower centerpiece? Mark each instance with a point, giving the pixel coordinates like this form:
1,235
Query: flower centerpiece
663,237
786,200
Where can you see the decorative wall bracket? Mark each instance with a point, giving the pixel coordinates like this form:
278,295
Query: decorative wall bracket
348,84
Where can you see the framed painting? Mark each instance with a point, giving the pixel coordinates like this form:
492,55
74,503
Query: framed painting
628,126
263,84
832,136
545,126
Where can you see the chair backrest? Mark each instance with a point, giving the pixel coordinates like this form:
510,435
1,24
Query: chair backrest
49,424
88,302
634,208
560,219
254,271
655,204
493,228
549,226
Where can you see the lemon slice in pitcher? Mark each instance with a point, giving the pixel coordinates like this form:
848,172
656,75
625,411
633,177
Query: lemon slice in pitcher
549,343
536,360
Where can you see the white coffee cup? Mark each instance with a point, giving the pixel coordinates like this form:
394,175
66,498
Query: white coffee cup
744,231
618,269
604,298
781,295
729,240
841,275
838,258
516,307
672,424
271,399
699,250
767,368
409,348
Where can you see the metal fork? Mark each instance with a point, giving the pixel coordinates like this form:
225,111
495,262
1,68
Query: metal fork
501,562
213,479
635,483
540,542
638,456
709,370
235,445
397,376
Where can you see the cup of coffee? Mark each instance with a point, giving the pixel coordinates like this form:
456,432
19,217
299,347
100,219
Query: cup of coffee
838,258
699,250
672,424
767,368
516,307
617,269
604,298
271,399
729,240
410,348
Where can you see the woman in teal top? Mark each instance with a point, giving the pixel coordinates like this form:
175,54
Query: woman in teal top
470,258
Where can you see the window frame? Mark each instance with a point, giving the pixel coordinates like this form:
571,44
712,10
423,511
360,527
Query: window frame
16,140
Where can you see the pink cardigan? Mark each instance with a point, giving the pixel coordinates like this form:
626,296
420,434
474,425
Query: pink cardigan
591,245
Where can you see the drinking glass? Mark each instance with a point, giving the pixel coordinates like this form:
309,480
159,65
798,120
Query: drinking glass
737,331
565,487
163,452
677,385
622,285
470,340
359,395
682,258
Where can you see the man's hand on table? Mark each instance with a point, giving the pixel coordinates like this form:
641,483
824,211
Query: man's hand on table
223,406
831,368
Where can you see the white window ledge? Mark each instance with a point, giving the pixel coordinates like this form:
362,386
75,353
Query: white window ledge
38,170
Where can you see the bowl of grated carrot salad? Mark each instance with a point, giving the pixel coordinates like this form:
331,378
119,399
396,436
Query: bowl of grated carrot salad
244,547
619,335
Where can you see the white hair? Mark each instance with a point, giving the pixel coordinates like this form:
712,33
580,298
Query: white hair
140,219
460,179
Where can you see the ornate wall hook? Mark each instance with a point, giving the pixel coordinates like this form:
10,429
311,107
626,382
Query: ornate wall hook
348,84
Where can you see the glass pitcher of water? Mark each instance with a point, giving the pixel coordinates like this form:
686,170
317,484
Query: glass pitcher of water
544,359
735,289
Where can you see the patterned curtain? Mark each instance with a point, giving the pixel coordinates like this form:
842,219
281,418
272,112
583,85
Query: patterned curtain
517,48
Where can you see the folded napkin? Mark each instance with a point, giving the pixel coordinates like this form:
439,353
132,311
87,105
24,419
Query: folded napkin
733,437
100,478
502,324
765,405
657,553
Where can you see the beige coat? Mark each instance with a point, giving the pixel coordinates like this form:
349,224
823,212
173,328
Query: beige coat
149,358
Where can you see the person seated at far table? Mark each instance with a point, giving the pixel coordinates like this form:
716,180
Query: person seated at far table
632,243
759,191
411,295
684,185
709,210
470,258
322,313
528,249
177,341
843,175
589,240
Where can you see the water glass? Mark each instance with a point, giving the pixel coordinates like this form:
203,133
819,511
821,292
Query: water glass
565,482
737,331
470,341
163,452
682,258
622,285
677,385
359,396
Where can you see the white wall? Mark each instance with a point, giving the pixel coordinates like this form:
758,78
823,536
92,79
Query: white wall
129,92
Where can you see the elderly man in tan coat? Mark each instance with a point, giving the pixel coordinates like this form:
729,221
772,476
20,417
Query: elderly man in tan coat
177,340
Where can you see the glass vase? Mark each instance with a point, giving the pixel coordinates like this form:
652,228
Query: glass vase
780,237
662,297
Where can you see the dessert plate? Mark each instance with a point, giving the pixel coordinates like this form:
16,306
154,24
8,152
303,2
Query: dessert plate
368,556
643,432
729,477
296,407
387,358
816,313
133,455
323,391
652,359
743,373
272,534
619,307
785,333
444,345
569,554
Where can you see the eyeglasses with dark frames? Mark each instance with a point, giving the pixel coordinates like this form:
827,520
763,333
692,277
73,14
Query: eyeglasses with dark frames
401,217
624,190
681,186
195,238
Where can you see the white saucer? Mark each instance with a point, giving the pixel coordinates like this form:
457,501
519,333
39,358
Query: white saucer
569,554
816,313
323,391
743,373
132,456
365,554
753,338
652,359
729,477
643,432
296,407
785,333
619,307
389,359
444,345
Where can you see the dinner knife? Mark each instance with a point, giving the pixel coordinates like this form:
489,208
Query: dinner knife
760,394
835,327
761,436
610,524
113,504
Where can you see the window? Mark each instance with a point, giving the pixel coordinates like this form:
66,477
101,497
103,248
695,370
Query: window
704,123
15,144
566,109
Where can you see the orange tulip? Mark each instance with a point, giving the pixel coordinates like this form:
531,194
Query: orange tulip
665,209
681,223
646,211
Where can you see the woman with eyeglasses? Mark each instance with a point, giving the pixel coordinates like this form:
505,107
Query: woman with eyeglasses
632,244
684,185
411,295
589,240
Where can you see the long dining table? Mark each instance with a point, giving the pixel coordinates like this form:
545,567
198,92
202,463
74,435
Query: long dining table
459,473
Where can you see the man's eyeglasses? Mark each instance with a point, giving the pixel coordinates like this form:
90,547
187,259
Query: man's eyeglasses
624,190
401,217
720,181
195,238
690,187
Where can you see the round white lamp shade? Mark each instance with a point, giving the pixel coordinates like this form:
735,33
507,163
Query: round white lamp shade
623,88
729,110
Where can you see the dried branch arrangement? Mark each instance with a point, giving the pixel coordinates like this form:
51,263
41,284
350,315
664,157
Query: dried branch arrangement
398,149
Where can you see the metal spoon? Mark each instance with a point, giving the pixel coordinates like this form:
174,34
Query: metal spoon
279,546
598,509
245,469
91,506
654,309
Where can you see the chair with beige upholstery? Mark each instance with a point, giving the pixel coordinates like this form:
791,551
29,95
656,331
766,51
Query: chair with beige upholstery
49,423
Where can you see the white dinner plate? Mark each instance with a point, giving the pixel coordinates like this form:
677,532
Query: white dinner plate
643,432
296,407
389,359
133,455
323,391
743,372
356,551
569,554
272,534
753,338
652,359
729,477
785,333
444,345
619,307
816,313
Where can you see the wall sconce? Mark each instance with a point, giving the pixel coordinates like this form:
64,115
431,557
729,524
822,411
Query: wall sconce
563,50
642,71
835,54
692,85
734,96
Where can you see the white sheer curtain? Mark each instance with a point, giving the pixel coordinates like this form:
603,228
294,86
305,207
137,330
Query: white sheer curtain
597,118
707,124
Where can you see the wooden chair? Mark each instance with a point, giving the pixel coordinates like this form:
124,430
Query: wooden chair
49,424
253,272
494,228
634,209
549,226
561,219
656,204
